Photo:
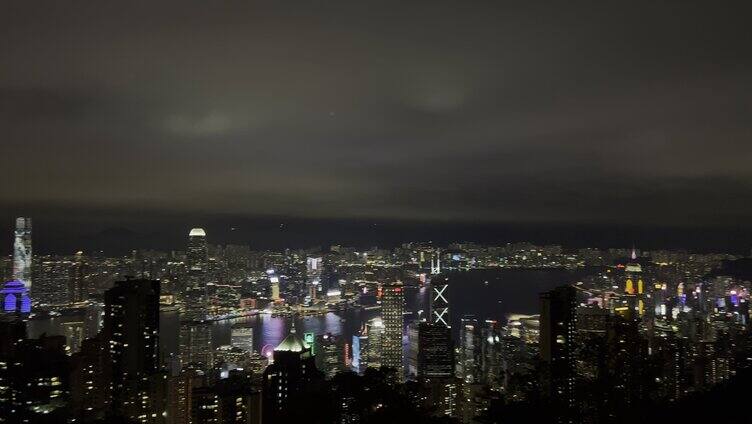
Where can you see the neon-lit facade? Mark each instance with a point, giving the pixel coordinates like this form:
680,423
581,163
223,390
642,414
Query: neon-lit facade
355,363
440,302
16,297
310,340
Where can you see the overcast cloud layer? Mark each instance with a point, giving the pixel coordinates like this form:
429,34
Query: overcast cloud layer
639,112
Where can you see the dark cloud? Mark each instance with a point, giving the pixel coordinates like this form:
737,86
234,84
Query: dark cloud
459,111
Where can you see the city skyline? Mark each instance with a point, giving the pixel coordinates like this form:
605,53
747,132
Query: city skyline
447,334
119,236
429,212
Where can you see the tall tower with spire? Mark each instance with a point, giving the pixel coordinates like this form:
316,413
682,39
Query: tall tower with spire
436,262
634,286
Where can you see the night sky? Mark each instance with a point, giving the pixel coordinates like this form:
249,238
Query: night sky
463,113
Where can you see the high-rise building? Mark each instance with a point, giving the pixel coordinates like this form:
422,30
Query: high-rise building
275,289
392,306
89,385
435,351
474,399
229,400
131,331
440,302
468,358
181,385
93,321
431,361
22,252
195,290
330,358
131,325
242,337
195,345
74,334
294,368
370,352
558,322
491,355
624,349
52,278
413,346
436,263
443,395
359,350
198,253
78,291
314,265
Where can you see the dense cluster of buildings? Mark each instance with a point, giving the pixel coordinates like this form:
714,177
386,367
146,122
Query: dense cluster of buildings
641,330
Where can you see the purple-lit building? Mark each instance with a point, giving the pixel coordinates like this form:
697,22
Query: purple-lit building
15,297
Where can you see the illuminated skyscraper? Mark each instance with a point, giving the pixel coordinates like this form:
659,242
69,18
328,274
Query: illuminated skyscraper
197,261
413,346
52,280
314,265
79,291
491,355
468,360
392,306
242,337
330,358
440,302
293,369
436,263
274,287
197,255
370,354
359,351
22,252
